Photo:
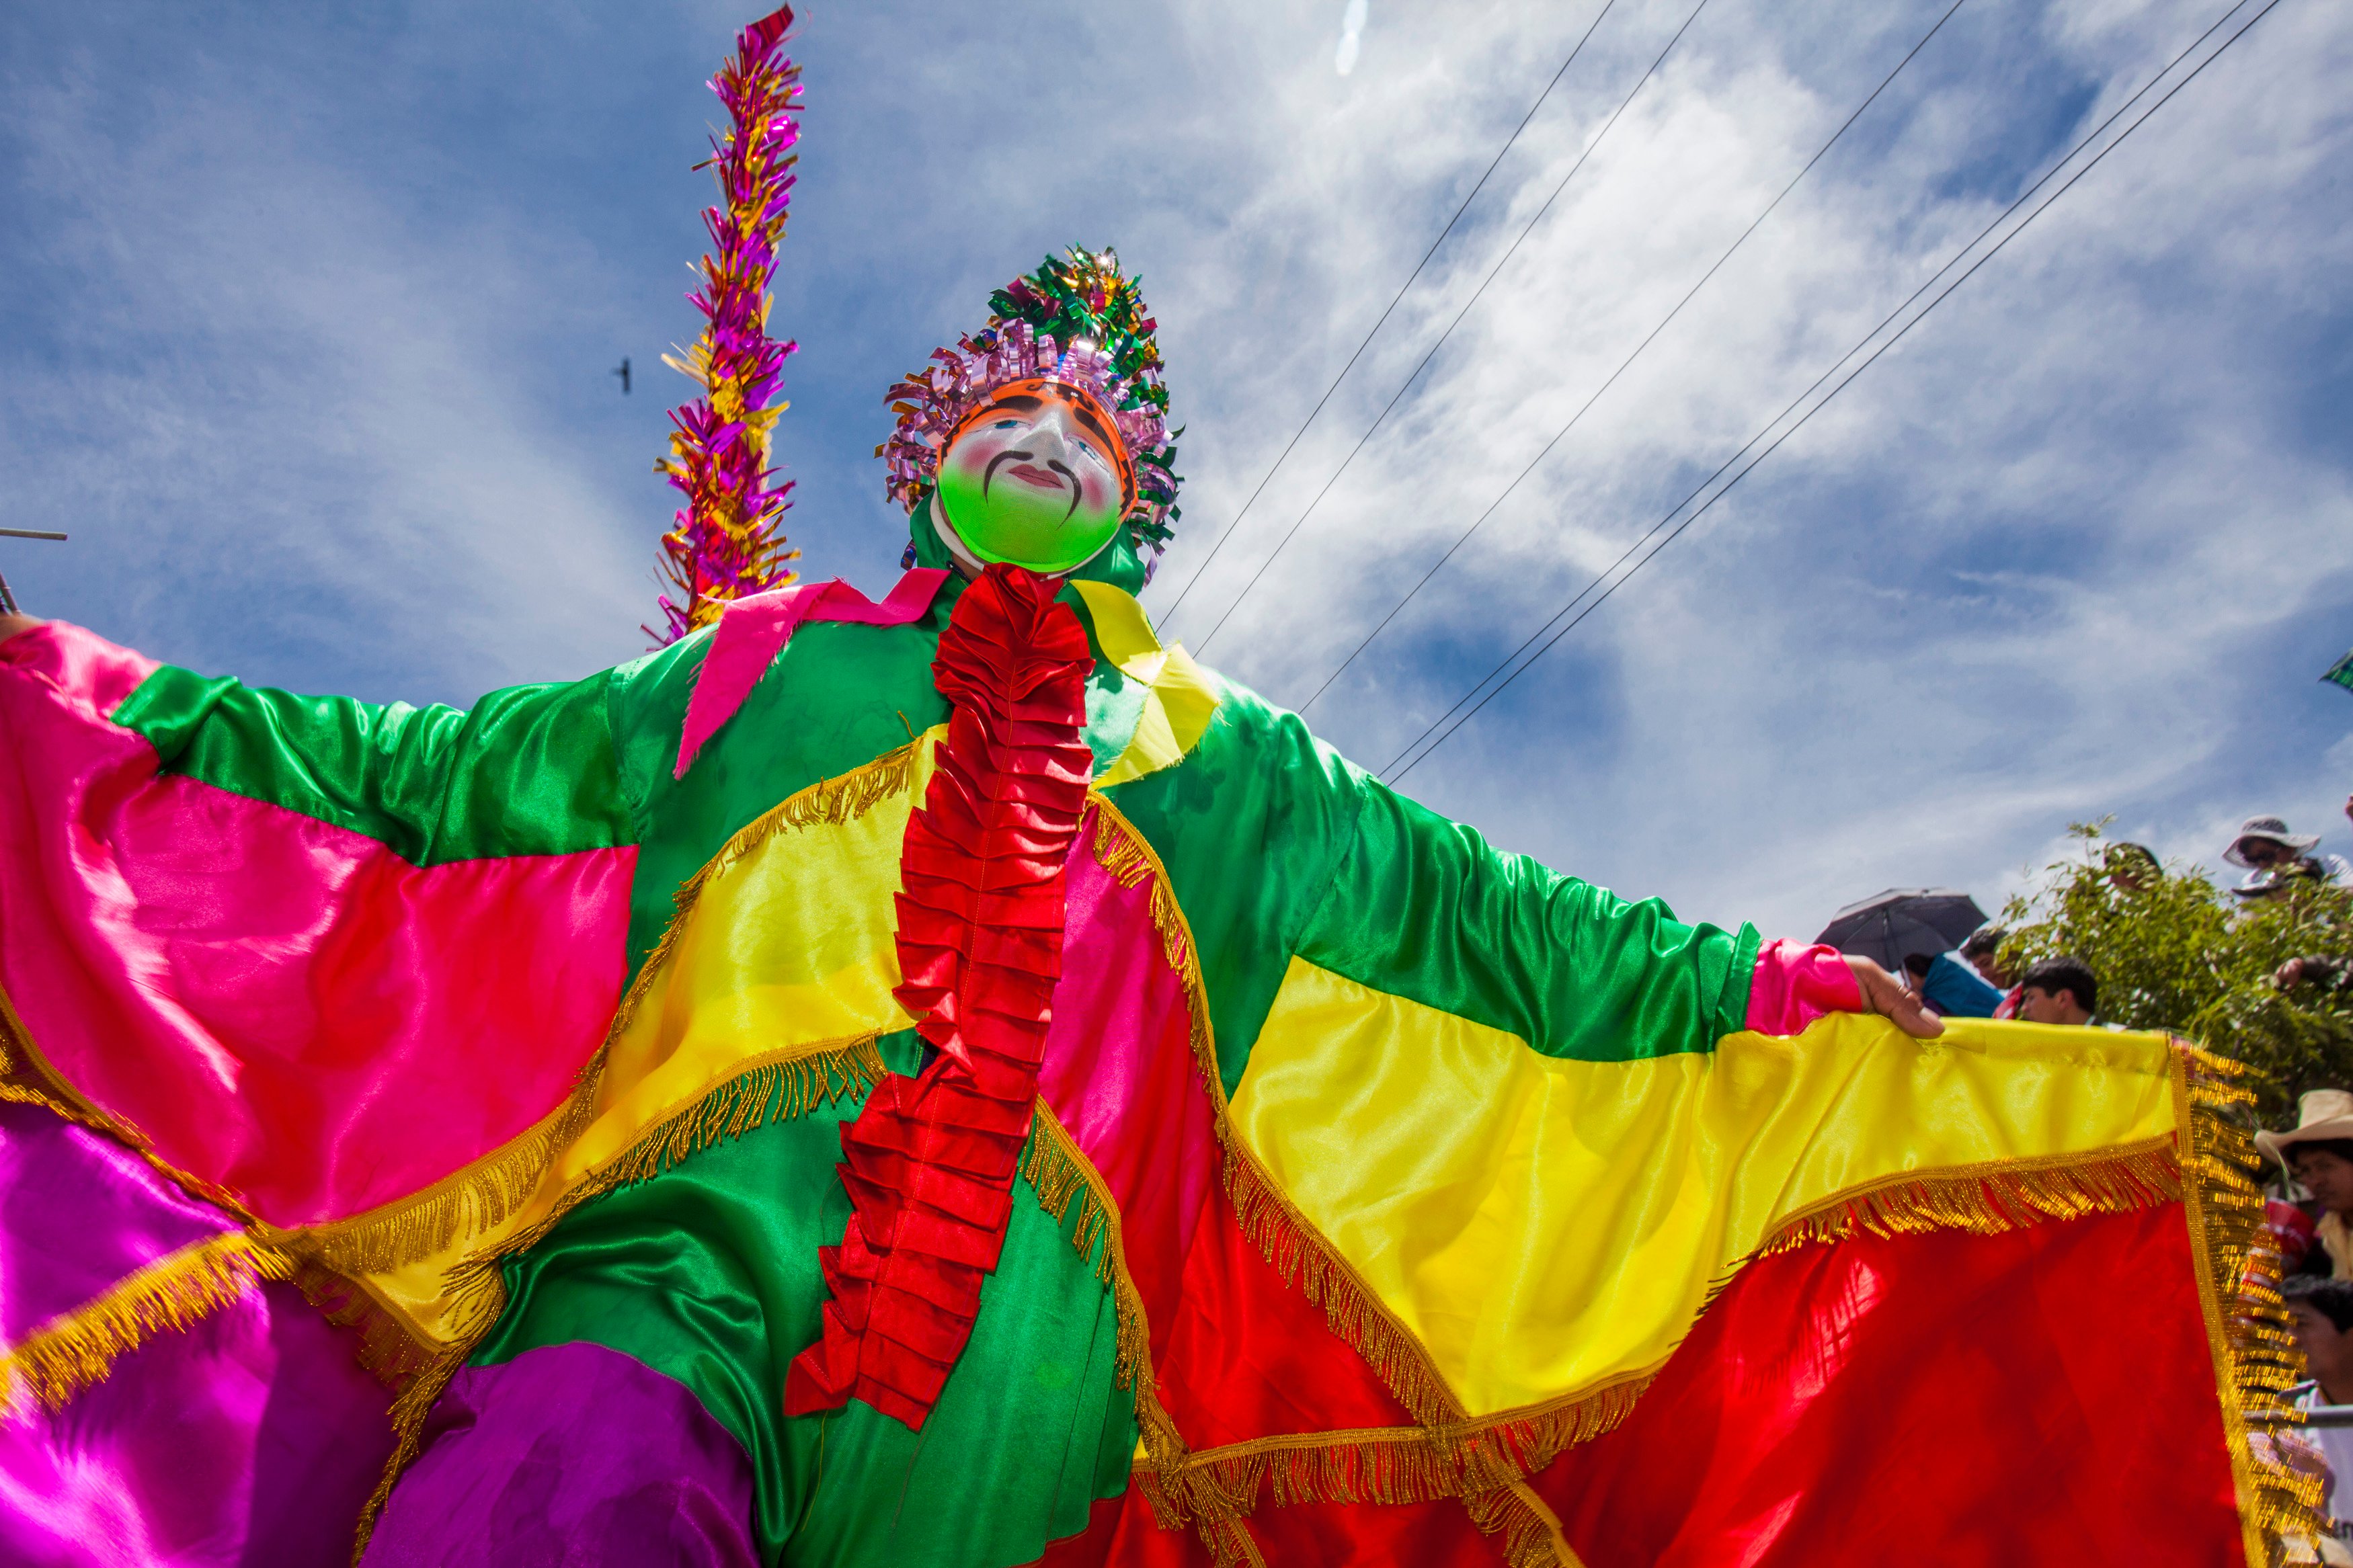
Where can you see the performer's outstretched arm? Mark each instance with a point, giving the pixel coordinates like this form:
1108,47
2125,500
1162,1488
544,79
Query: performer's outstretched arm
319,952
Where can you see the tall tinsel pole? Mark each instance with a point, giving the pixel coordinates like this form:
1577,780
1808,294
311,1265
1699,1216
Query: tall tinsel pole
729,538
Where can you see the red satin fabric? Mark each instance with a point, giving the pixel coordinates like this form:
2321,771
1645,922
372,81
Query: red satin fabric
286,1009
1239,1354
2043,1399
930,1160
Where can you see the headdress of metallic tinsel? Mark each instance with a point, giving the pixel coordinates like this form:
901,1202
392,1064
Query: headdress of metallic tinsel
729,538
1076,320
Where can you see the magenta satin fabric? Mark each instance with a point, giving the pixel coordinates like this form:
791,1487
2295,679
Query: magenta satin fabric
249,1439
77,1213
1795,984
570,1454
753,632
1121,1075
286,1009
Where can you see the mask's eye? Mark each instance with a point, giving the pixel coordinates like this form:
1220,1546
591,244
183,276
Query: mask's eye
1006,425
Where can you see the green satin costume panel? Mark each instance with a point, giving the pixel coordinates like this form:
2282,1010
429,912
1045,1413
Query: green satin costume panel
708,1274
1252,826
526,771
832,702
1423,908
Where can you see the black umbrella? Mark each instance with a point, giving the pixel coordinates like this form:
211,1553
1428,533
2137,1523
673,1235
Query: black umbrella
1903,921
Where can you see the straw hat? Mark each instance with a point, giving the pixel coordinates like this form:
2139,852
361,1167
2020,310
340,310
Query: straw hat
2321,1113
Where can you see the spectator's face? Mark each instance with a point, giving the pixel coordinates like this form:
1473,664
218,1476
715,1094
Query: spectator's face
2037,1005
2262,852
2327,1178
1985,964
2324,1346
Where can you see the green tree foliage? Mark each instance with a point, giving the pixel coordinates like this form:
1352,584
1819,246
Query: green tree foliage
2171,952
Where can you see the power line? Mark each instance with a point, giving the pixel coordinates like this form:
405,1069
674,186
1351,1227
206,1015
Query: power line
1996,249
1391,406
1219,543
1414,592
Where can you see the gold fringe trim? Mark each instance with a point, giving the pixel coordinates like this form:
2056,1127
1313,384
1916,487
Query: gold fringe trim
832,802
1481,1461
482,1196
77,1349
1989,1199
468,1202
390,1347
27,1079
787,1085
1060,1173
2255,1359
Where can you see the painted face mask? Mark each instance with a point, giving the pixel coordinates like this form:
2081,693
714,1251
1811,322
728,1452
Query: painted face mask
1037,476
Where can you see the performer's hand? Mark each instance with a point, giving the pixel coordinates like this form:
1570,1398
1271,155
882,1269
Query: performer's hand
1884,995
11,624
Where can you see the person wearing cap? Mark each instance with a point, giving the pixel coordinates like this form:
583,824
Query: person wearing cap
2274,857
2319,1154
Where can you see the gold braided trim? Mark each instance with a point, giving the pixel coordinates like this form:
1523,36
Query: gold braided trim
2255,1359
1060,1173
75,1350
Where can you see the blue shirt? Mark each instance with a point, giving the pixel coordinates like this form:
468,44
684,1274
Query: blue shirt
1957,990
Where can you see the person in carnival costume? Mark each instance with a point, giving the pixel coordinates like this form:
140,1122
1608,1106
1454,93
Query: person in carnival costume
949,1080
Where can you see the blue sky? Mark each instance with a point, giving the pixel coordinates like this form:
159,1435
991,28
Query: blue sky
309,313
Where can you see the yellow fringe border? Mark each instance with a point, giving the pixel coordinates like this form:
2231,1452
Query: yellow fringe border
2255,1359
782,1087
76,1350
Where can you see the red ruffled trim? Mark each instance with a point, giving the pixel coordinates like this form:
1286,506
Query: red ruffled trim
930,1160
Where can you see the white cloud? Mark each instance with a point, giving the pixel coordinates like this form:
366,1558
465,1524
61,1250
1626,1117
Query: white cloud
2065,552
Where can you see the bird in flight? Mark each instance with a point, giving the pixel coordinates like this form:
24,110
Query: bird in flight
624,373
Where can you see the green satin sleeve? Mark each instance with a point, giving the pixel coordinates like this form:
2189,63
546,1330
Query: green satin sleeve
1423,908
1251,826
527,771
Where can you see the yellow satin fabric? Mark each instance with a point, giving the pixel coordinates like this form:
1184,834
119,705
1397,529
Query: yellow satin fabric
789,949
1546,1227
1179,700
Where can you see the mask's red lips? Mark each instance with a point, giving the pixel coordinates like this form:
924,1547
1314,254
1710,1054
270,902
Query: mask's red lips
1030,473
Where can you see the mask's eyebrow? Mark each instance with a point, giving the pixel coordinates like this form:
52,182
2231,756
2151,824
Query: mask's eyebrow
1087,418
1020,403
